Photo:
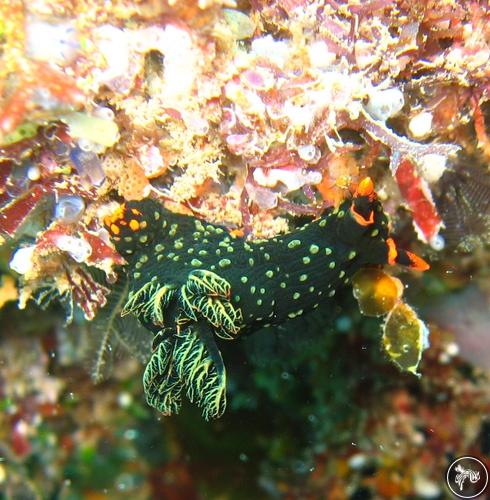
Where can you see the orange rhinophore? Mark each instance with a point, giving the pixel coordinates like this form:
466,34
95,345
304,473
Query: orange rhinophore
417,262
361,206
365,188
405,258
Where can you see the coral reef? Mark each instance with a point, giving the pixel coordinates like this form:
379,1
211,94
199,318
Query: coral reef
257,118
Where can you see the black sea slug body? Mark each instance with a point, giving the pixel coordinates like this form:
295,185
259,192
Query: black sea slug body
190,281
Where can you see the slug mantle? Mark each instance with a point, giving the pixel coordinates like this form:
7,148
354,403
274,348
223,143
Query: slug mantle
191,281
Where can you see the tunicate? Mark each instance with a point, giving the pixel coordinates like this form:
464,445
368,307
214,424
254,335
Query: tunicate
405,337
103,112
86,145
376,291
384,104
88,165
420,125
437,242
69,208
239,23
19,179
59,148
22,260
78,249
34,173
98,130
432,166
309,153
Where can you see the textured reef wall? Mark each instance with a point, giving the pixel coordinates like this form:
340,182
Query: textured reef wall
348,136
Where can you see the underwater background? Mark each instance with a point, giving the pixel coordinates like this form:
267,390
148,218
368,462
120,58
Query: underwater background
221,127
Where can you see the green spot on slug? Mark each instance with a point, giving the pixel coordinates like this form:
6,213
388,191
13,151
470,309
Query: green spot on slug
196,262
173,230
294,243
224,262
314,249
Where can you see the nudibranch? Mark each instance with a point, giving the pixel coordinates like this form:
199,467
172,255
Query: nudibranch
191,282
